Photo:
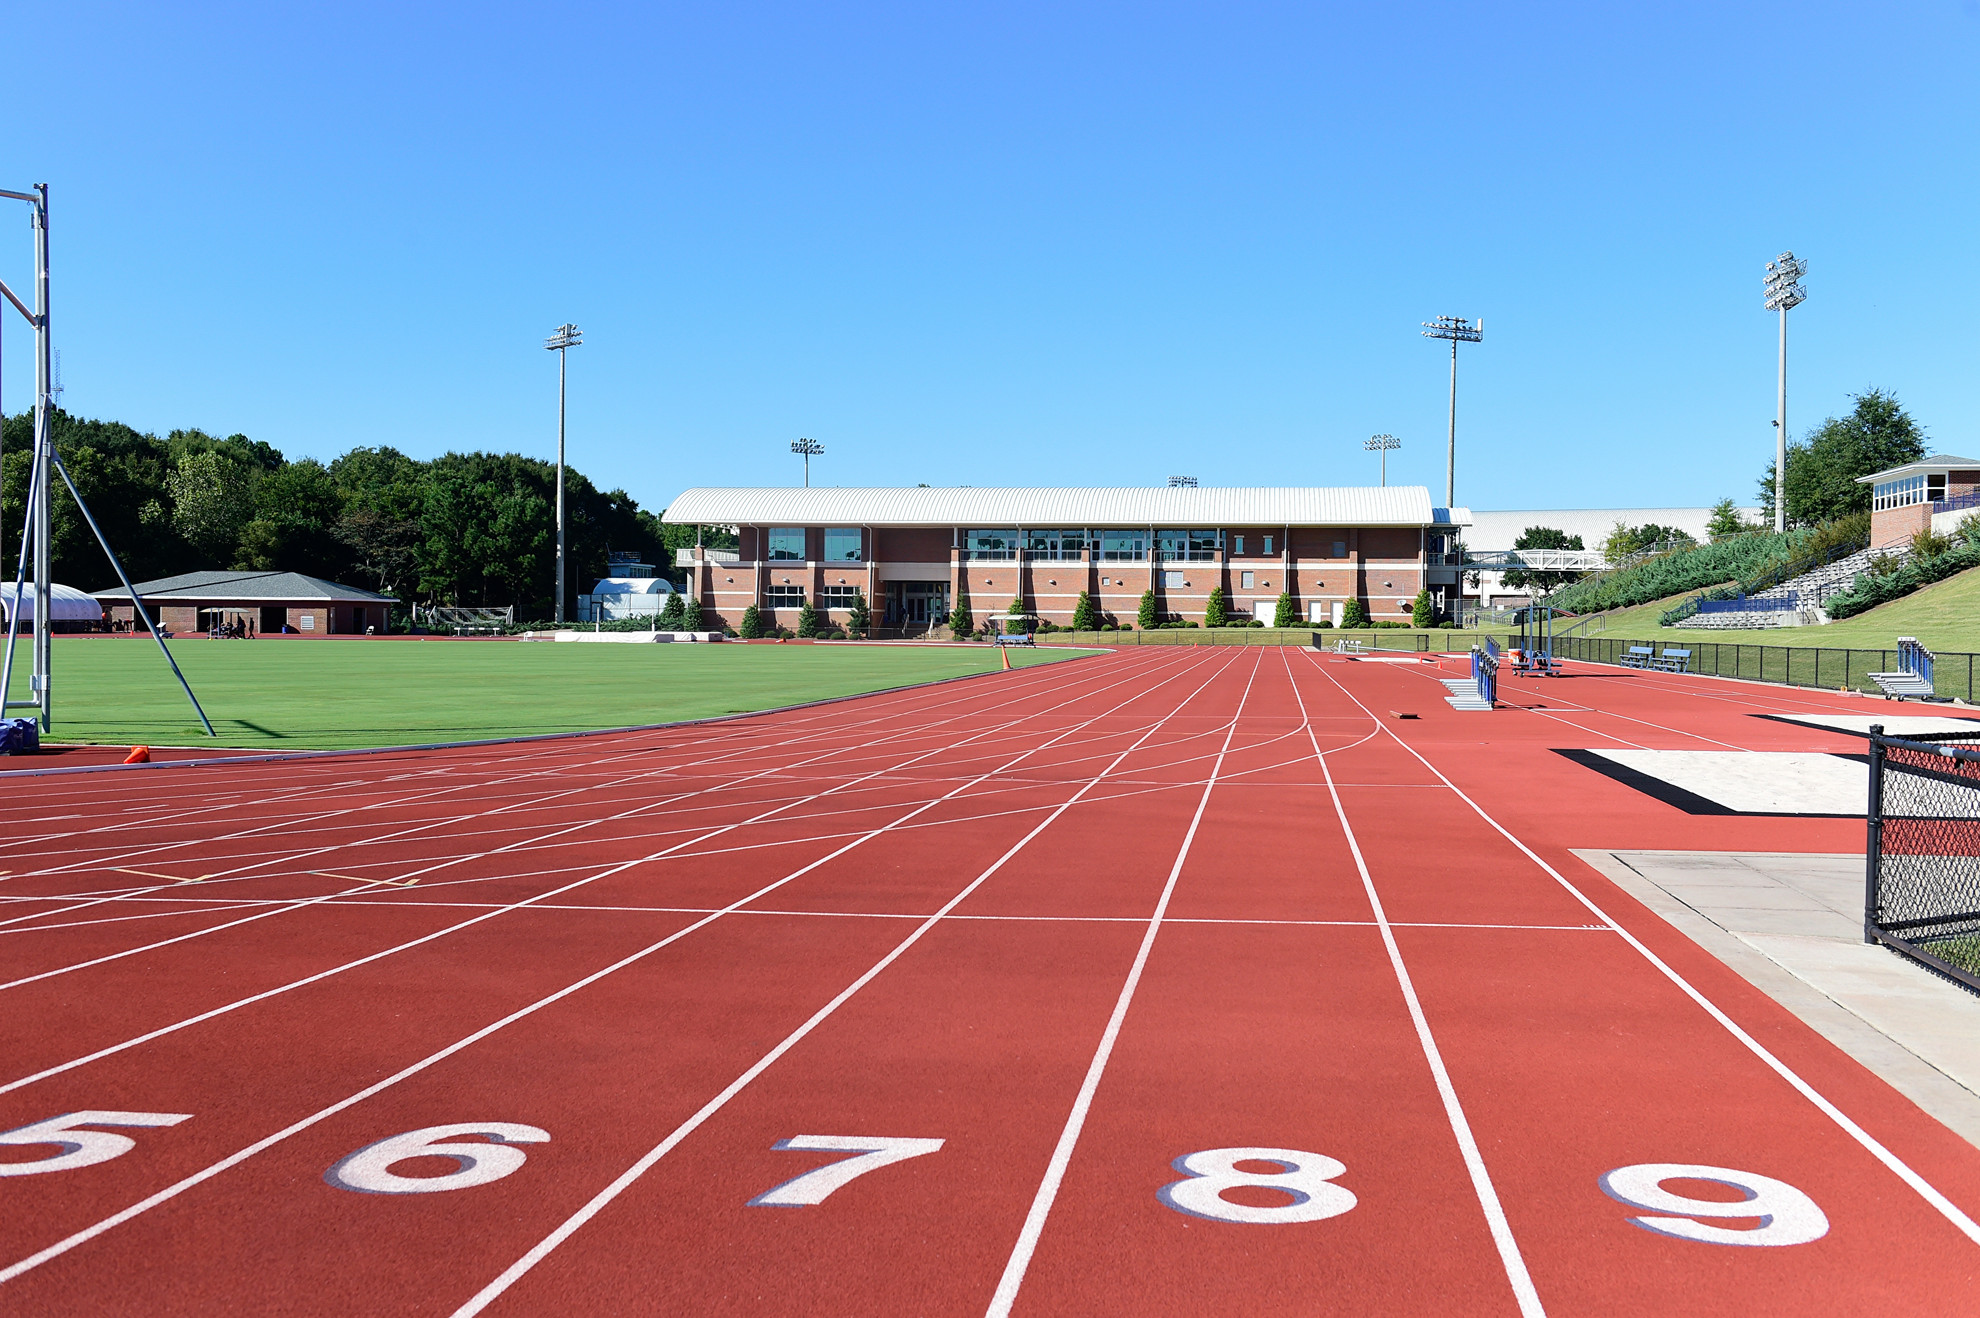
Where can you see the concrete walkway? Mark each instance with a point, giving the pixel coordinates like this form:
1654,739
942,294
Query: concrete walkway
1792,924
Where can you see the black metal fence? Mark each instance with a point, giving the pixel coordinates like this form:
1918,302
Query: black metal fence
1796,665
1921,891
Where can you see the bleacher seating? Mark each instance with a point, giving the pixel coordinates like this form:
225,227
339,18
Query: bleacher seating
1672,661
1639,656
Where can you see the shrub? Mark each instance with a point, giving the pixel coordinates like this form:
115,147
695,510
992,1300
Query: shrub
1892,578
859,618
1286,613
1679,571
1144,617
670,612
1927,543
691,615
1215,612
808,624
751,626
1355,615
961,620
1083,619
1323,625
1969,529
1422,613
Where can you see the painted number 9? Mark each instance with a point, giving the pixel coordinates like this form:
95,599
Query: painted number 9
370,1169
1306,1177
1786,1215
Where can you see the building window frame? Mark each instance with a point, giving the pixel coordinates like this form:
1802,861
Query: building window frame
844,544
784,544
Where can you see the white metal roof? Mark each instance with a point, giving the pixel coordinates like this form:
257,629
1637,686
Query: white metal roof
65,604
1064,506
1498,530
1933,462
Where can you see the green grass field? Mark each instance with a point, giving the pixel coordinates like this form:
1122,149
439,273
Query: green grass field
1945,616
309,694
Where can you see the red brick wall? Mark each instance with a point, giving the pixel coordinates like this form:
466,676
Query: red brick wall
1890,526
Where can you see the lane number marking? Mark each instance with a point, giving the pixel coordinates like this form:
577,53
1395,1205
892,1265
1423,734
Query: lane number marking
1787,1216
874,1152
1307,1177
80,1148
369,1170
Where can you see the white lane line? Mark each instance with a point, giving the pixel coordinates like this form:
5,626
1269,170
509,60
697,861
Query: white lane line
1055,1169
1474,1161
1925,1189
515,1271
89,1233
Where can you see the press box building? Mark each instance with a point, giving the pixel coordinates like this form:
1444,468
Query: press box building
915,551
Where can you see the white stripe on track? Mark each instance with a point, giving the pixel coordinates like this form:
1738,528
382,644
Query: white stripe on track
1055,1169
1925,1189
515,1271
1474,1160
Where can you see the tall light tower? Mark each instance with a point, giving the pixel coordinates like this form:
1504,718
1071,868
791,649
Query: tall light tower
1458,330
1382,444
1784,294
810,448
566,338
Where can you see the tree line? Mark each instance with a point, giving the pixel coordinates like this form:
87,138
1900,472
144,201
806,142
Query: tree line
463,528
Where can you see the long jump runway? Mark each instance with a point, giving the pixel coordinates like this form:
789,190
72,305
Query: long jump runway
1172,981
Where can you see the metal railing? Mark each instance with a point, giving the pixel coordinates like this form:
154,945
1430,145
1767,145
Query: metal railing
1831,668
1787,603
1952,503
1921,881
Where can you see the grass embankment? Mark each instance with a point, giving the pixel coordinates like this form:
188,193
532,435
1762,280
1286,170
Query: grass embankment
1944,616
311,694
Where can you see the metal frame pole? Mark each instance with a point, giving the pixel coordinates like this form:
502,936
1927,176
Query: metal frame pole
1873,848
1450,451
563,355
44,420
1780,436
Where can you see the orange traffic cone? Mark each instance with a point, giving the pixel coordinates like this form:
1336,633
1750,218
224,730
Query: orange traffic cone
139,755
1007,657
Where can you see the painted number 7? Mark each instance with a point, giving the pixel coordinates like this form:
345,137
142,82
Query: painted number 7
874,1152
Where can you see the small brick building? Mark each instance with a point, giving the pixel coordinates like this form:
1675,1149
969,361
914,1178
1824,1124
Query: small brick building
914,551
1934,491
261,603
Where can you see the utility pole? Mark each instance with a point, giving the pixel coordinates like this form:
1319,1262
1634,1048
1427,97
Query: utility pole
810,448
1458,330
566,338
1783,294
1383,444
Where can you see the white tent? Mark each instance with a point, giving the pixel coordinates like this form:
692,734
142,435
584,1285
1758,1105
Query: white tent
67,604
624,597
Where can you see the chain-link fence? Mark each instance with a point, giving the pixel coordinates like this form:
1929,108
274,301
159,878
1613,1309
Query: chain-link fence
1922,868
1796,665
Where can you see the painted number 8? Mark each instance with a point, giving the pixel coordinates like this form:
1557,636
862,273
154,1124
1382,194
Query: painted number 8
1306,1177
1786,1215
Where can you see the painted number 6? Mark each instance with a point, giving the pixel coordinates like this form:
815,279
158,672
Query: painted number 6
1307,1177
80,1148
369,1170
1787,1216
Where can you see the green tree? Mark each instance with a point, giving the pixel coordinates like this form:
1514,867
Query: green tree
1084,618
298,508
859,618
808,623
1822,469
1144,617
961,620
1355,614
751,626
1286,613
1542,537
1215,612
1726,520
212,502
691,620
1422,613
673,611
1018,623
1624,541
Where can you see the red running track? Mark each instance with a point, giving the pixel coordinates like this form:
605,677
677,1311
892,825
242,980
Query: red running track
1185,981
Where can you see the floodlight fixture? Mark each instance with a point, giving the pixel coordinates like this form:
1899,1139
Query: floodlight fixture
1458,330
1783,293
567,336
809,448
1182,482
1382,444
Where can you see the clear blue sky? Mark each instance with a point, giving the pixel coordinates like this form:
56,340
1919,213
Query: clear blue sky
1011,244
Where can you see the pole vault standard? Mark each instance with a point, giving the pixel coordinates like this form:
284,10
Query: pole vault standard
36,524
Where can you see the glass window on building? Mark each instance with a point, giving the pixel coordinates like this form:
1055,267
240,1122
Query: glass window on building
787,544
1237,545
1268,546
783,597
1124,546
1188,546
842,544
1054,544
837,597
991,544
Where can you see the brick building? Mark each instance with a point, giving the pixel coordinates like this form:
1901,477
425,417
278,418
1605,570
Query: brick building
262,603
1934,491
915,551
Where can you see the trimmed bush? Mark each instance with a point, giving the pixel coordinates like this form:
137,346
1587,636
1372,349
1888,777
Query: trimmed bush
1144,617
691,615
808,624
1354,615
1286,613
1084,618
1422,613
859,618
961,620
670,612
1215,612
751,626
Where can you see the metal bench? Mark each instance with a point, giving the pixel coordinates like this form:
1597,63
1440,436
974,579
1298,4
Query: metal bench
1639,656
1672,661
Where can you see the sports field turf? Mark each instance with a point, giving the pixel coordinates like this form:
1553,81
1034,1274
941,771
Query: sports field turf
297,694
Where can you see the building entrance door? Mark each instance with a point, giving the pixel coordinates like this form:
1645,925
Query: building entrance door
914,603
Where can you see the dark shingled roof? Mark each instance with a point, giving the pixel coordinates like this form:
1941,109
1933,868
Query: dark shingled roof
272,587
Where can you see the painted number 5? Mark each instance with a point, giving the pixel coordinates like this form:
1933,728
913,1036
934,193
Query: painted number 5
1786,1215
1307,1177
80,1148
875,1152
370,1169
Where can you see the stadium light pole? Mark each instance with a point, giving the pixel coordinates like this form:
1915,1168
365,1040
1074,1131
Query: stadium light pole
1783,294
566,338
1382,444
1458,330
1182,482
810,448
